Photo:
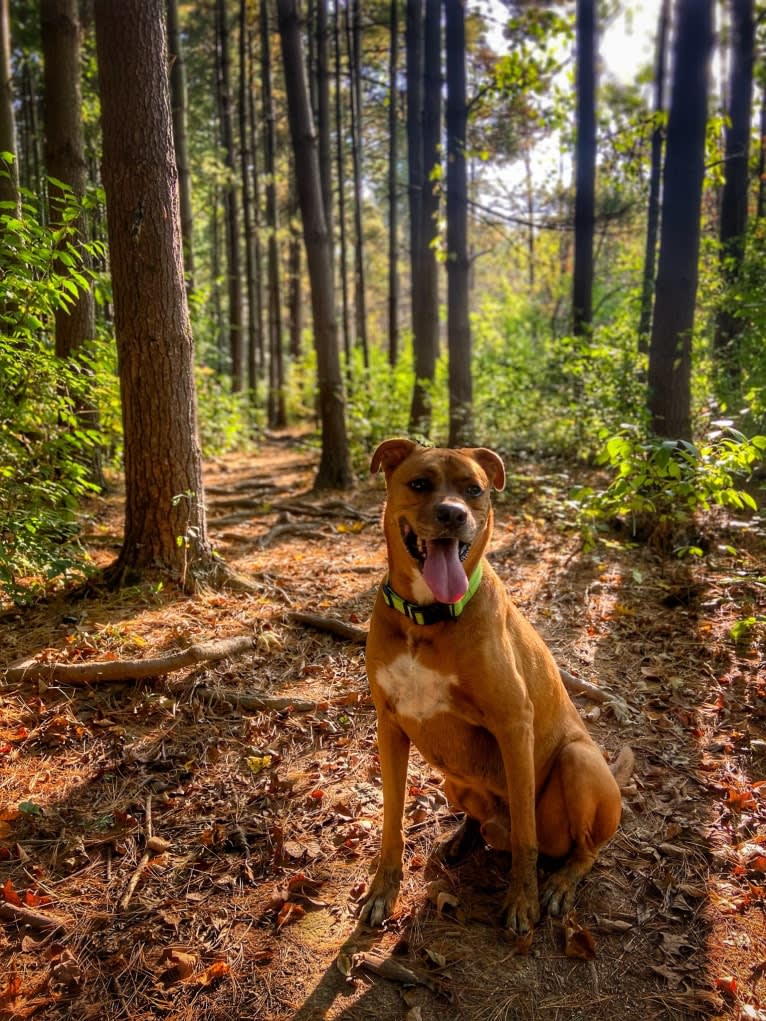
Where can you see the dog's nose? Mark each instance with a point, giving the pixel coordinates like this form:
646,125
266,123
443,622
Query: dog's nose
452,514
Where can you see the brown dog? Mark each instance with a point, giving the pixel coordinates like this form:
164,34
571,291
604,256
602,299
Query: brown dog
457,670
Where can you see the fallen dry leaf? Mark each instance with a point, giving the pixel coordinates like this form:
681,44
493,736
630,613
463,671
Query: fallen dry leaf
578,941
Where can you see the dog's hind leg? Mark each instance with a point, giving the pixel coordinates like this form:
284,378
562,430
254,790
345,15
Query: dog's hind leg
577,814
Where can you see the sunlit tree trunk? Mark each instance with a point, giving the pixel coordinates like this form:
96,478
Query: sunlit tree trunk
341,175
256,356
353,32
670,352
458,267
393,191
277,412
734,200
655,180
231,205
425,281
334,466
585,169
165,526
9,183
180,103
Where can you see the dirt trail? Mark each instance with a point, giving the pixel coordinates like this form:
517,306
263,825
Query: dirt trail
203,859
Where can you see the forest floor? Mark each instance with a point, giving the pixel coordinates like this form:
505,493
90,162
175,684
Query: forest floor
195,846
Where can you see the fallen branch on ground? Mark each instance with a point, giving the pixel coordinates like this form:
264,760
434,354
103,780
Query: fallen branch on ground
82,674
37,920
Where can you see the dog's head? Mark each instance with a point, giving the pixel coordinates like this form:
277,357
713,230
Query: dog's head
438,515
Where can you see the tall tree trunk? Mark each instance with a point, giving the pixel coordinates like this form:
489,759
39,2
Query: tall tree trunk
9,183
165,524
65,163
277,411
655,180
458,266
353,23
323,108
670,352
245,161
231,210
334,467
294,261
425,283
180,104
256,356
341,174
733,223
585,169
393,191
761,201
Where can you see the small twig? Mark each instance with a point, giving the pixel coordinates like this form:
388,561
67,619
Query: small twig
136,877
331,625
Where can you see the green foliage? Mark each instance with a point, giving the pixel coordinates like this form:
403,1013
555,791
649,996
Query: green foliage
657,485
45,446
227,421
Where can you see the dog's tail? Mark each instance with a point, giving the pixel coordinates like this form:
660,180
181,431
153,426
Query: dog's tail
623,765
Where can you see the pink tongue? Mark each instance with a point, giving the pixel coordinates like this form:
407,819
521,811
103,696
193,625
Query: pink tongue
443,571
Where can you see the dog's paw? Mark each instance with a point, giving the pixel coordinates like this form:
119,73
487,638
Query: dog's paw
521,909
381,897
558,894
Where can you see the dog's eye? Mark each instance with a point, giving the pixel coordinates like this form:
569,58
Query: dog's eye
474,491
419,485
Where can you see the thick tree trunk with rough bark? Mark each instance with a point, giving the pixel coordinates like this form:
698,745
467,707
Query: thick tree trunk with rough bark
334,467
164,501
670,352
458,266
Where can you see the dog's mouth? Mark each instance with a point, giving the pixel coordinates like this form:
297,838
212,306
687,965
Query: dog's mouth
440,561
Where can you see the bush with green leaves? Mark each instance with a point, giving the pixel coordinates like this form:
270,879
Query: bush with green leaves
45,446
657,486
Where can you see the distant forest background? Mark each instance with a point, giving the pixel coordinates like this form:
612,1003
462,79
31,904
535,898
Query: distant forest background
441,219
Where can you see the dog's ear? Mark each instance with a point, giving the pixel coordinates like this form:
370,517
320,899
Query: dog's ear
491,463
390,454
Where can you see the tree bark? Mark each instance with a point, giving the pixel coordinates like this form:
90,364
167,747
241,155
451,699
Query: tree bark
585,169
353,32
9,182
458,265
231,205
65,162
276,412
341,174
256,356
670,351
180,105
734,201
425,283
655,180
393,190
252,269
165,525
334,468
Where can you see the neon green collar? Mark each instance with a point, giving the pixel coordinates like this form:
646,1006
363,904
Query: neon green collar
432,613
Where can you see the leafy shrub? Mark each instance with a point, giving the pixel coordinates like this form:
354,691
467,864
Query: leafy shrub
658,485
45,446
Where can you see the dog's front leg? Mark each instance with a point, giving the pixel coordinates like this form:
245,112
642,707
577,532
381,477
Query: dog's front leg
394,751
522,904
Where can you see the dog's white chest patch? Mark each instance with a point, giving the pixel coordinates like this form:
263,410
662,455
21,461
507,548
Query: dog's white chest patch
416,691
